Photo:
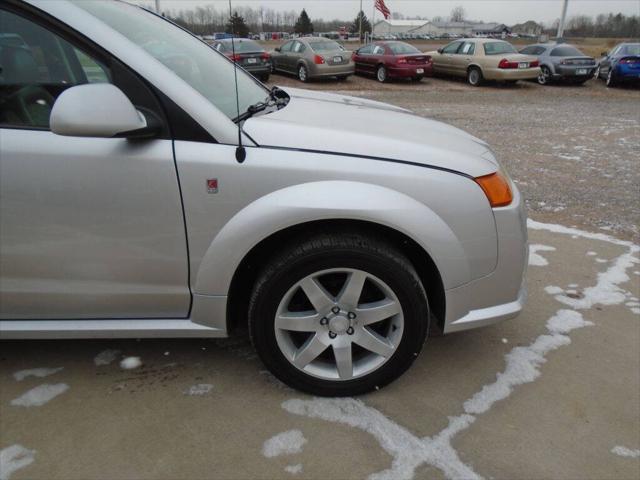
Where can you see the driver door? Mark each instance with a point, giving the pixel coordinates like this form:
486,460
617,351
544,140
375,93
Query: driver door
90,228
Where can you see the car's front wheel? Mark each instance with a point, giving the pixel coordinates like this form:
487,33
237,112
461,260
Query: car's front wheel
338,315
303,73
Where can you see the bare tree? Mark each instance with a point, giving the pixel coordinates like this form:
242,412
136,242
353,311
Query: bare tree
458,14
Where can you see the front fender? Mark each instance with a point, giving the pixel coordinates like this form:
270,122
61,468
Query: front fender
325,200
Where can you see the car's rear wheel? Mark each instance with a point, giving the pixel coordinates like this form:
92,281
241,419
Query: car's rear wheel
381,74
544,77
474,77
342,78
338,315
611,79
303,73
596,75
418,78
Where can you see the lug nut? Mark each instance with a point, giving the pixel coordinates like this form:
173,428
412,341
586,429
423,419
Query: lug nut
350,330
351,315
324,321
336,309
332,335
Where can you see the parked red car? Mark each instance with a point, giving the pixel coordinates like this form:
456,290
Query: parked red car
394,59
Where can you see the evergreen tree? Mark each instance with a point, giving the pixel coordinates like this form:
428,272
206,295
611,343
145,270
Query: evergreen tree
366,25
303,25
237,26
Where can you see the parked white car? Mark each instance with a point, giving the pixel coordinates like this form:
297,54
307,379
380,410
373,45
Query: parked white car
341,232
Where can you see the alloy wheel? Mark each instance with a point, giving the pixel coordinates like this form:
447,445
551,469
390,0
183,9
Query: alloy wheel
302,73
382,74
339,324
474,76
596,75
543,77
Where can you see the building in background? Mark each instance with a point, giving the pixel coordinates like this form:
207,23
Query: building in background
426,27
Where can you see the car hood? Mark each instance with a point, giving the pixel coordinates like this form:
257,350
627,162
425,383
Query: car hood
343,124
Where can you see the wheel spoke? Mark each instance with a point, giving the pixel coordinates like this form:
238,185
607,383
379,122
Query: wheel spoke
317,295
352,289
374,343
309,351
377,311
344,362
298,322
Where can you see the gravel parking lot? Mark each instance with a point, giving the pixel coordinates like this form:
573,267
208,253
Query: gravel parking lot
554,393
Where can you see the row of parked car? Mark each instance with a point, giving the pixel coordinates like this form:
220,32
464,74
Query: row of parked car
476,59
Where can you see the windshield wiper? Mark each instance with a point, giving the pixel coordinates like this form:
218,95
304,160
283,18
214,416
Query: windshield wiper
277,98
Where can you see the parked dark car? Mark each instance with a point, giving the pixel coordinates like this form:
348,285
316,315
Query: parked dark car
248,54
561,62
622,64
392,59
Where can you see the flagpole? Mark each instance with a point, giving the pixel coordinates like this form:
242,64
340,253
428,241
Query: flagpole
373,20
360,17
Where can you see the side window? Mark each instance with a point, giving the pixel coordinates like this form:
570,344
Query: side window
452,47
36,66
468,48
366,50
286,47
378,50
298,47
528,51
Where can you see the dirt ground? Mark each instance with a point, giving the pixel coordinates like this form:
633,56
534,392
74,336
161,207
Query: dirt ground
554,393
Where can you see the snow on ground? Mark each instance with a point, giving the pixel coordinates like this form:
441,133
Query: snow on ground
522,366
35,372
535,258
106,357
293,469
130,363
14,458
285,443
625,452
38,396
199,389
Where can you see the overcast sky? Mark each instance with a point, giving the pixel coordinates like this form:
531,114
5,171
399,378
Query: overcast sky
503,11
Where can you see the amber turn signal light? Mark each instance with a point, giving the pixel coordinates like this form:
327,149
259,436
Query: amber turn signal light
496,188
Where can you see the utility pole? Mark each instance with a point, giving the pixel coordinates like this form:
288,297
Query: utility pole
562,20
360,17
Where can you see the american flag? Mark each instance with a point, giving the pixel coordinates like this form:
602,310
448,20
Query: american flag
383,9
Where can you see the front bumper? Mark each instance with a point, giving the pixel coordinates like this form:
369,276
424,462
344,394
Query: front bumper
501,294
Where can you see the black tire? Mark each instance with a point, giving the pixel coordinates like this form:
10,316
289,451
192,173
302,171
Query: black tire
345,250
381,74
474,77
342,78
611,79
417,79
303,73
545,75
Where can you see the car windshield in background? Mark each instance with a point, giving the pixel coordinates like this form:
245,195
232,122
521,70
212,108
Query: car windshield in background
630,49
566,51
195,62
498,48
401,48
325,46
243,46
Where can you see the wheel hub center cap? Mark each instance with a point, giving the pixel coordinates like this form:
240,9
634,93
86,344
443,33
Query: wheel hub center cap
338,324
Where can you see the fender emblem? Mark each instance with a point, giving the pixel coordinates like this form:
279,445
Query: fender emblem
212,185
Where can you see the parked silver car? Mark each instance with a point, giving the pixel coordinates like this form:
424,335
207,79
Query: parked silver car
313,57
342,231
561,62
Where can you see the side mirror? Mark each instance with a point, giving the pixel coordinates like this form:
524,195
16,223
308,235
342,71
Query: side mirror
440,50
604,54
99,110
277,49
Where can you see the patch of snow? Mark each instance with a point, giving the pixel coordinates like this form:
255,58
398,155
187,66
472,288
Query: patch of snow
535,258
635,310
106,357
130,363
573,285
592,254
553,290
625,452
504,340
523,362
166,354
14,458
38,396
35,372
569,157
293,469
601,260
285,443
199,389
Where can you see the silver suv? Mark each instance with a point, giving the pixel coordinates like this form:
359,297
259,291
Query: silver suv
341,230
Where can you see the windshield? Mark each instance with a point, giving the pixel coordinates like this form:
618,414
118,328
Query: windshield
401,48
498,48
633,49
204,69
324,46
